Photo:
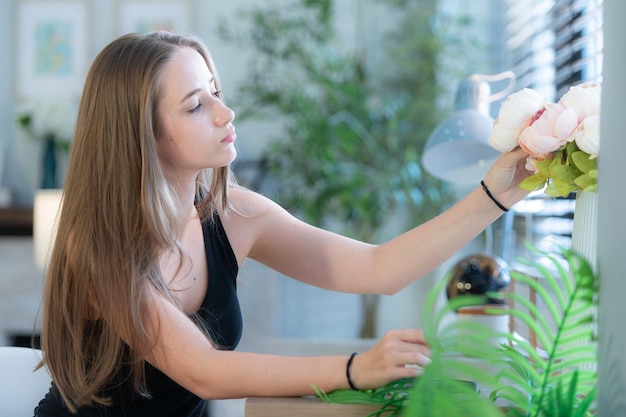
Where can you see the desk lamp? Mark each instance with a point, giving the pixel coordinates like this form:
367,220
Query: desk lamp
458,149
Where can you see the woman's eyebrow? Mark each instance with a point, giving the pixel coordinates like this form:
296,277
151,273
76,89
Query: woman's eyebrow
196,90
191,93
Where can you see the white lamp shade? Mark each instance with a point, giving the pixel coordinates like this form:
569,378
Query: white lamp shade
458,149
47,205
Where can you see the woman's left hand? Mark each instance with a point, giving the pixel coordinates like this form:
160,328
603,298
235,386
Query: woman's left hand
398,354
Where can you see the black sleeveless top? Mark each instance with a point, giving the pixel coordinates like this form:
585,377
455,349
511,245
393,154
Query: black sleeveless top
220,314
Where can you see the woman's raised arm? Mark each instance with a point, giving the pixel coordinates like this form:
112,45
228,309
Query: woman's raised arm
269,234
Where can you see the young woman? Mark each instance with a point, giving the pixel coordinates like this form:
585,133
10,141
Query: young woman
140,312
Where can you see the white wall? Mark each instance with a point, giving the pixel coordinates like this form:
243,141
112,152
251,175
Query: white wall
611,224
6,79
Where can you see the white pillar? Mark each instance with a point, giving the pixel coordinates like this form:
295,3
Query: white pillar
612,225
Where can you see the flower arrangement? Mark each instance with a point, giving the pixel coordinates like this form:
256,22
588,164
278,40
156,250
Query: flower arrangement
562,138
49,121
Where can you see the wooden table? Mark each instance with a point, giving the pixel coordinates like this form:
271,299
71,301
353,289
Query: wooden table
303,407
308,407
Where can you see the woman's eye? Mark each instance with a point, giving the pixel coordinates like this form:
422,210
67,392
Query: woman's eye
217,93
195,109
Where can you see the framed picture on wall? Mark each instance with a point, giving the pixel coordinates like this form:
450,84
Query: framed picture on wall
52,47
141,16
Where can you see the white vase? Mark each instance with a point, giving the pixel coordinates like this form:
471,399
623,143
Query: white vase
585,228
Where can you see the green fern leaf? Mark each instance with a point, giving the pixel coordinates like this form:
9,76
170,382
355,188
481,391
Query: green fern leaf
437,396
542,292
530,308
572,308
585,404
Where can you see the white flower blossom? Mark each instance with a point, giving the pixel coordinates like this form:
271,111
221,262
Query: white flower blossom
584,99
516,113
51,118
588,135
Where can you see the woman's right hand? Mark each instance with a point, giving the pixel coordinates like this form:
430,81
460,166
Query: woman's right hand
398,354
506,174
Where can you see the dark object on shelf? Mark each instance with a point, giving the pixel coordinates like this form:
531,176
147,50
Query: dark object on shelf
479,274
16,221
26,340
49,164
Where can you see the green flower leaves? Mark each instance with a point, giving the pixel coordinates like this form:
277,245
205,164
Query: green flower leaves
570,170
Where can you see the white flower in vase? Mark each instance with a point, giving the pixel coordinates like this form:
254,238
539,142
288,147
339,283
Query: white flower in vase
51,122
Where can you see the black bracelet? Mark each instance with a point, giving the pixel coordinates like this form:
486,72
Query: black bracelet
492,197
348,371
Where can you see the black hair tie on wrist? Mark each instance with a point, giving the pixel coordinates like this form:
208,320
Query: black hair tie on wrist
492,197
348,371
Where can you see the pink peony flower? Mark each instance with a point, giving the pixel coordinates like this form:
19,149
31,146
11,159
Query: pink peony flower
516,113
552,129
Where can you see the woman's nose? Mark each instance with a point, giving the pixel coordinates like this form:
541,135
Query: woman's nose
223,114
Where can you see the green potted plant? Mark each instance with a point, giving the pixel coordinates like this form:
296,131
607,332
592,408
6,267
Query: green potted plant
348,157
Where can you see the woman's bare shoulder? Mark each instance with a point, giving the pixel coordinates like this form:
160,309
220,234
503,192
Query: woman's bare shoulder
250,217
250,204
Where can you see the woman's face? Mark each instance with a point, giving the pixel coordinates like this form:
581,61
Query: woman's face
195,126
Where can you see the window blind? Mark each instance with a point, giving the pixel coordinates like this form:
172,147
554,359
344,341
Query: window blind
553,44
578,42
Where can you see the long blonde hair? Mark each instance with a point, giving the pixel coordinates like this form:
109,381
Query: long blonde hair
118,214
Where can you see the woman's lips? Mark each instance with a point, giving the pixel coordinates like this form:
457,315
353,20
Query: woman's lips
232,136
